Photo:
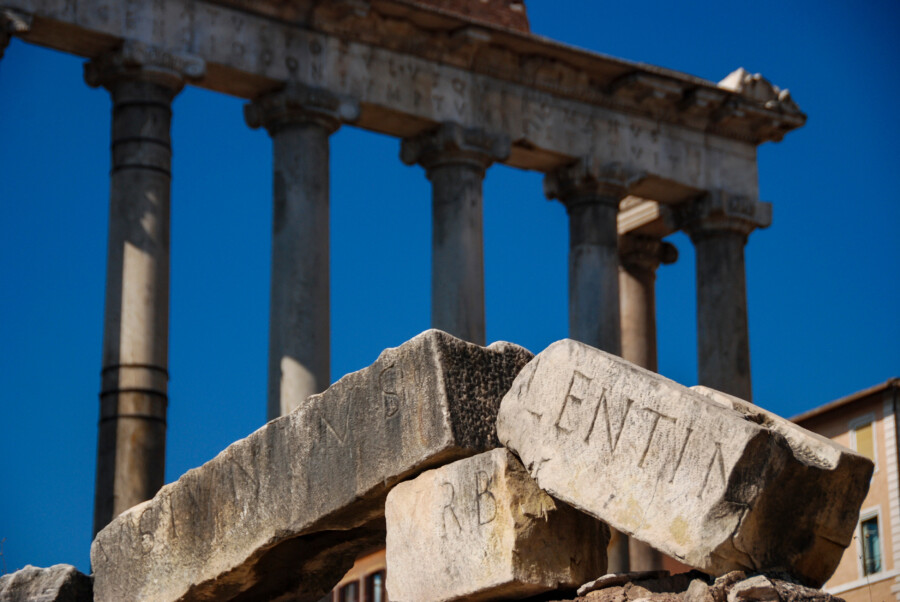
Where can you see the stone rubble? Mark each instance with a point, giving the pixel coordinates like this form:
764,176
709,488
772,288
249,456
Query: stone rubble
406,452
481,529
285,512
58,583
695,586
708,479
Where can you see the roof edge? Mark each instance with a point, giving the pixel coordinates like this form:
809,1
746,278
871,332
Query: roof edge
837,403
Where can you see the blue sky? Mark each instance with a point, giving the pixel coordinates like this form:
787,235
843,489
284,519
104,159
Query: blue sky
822,281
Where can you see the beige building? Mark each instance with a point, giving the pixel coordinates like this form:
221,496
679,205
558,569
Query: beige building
867,422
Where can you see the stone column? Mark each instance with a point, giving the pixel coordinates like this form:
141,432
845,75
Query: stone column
455,159
300,121
639,258
591,195
12,22
718,225
132,435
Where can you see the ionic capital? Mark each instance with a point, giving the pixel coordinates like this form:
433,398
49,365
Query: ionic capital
719,211
451,143
12,22
138,61
647,252
585,181
298,104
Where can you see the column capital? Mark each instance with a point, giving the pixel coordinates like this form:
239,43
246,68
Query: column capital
298,103
12,22
719,211
586,181
452,143
645,252
144,62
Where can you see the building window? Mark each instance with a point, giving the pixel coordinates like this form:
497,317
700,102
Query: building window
862,437
375,588
349,593
871,546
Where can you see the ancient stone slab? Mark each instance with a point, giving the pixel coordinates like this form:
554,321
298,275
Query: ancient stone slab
286,511
58,583
481,529
715,487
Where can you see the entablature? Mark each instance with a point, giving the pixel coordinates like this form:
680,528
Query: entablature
411,68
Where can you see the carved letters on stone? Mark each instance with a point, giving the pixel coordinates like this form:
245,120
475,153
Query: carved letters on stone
480,528
287,510
715,484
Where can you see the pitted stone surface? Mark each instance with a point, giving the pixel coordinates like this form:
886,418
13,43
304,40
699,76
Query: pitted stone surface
58,583
481,529
715,487
285,511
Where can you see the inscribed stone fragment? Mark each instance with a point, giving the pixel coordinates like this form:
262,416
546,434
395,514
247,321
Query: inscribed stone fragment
718,488
481,529
284,512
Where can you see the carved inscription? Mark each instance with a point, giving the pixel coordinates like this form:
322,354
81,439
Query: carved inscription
592,415
478,506
449,508
388,379
485,502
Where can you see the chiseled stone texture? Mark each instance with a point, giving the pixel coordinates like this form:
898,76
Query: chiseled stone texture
283,513
481,529
58,583
716,487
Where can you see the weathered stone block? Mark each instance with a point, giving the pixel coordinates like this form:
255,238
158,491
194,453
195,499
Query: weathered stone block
481,529
716,487
283,513
58,583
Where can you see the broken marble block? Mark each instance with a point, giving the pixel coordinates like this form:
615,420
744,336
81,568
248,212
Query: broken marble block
716,484
481,529
285,512
58,583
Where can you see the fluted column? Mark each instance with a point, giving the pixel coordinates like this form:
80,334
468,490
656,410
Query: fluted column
12,22
639,258
455,159
591,194
300,121
133,399
719,225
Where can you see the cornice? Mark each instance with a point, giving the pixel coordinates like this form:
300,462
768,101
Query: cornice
744,107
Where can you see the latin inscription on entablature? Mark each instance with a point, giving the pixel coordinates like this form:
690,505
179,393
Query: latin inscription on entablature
260,52
719,486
